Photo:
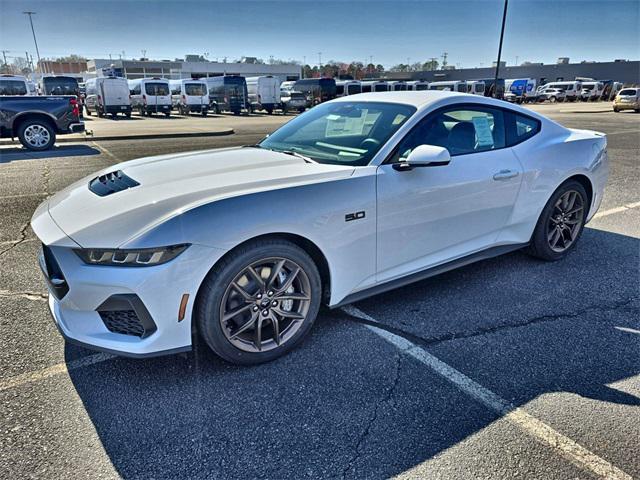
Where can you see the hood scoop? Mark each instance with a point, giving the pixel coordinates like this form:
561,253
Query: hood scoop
111,182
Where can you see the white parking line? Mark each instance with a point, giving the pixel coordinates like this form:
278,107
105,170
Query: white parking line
568,448
628,330
611,211
53,370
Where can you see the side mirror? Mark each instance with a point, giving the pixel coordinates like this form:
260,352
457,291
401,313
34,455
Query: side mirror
425,156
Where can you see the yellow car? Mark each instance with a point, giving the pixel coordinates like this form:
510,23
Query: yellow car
627,99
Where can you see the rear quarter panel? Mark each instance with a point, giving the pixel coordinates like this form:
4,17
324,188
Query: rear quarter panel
548,160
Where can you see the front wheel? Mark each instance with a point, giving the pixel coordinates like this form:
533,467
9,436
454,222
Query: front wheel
36,135
561,222
259,302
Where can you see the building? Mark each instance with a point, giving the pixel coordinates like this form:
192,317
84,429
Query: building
627,72
60,68
176,69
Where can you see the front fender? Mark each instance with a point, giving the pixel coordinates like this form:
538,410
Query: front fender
317,212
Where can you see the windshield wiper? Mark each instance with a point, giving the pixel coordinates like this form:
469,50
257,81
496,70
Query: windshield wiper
296,154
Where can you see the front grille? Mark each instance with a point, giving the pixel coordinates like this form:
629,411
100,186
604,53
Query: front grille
123,321
111,182
127,315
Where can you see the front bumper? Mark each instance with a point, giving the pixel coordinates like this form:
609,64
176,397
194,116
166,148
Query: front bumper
80,308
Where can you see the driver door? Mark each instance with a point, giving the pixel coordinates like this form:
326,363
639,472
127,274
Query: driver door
430,215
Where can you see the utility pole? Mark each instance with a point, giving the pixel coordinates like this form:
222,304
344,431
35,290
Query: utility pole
304,64
444,59
4,56
504,19
29,14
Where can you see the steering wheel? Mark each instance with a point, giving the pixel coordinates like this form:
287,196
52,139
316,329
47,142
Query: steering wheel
369,143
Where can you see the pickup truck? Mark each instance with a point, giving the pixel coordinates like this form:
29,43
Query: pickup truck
36,120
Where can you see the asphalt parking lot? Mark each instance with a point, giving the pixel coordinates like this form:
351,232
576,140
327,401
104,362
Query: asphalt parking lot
508,368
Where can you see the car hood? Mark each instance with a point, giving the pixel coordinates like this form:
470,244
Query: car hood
172,184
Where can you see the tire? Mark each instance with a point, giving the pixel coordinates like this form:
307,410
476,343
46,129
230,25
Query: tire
87,110
218,296
204,113
616,109
99,112
36,135
142,112
552,99
128,114
543,236
167,114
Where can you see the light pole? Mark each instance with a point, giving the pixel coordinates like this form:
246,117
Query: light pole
504,19
34,36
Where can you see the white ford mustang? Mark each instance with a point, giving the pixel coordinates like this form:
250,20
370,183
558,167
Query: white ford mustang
358,195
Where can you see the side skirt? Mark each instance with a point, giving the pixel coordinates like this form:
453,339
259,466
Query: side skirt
429,272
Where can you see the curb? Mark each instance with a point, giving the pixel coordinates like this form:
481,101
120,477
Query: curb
149,136
142,136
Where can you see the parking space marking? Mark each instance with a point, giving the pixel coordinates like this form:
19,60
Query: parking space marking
611,211
568,448
628,330
53,370
106,152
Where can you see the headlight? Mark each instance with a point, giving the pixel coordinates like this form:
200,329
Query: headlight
142,257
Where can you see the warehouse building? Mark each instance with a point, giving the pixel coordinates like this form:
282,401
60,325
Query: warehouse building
624,71
133,69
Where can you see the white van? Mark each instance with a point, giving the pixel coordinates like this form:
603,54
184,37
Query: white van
450,86
572,89
190,96
417,85
591,91
107,95
150,95
347,87
263,93
476,87
13,85
374,86
397,86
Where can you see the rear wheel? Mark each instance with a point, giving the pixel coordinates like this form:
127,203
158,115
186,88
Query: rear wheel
87,110
36,135
561,222
616,109
259,302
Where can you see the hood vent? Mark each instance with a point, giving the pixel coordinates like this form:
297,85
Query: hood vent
111,182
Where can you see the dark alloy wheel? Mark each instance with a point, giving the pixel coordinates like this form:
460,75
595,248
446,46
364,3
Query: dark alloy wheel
561,222
259,302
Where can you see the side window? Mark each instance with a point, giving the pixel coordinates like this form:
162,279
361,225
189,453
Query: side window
461,131
522,128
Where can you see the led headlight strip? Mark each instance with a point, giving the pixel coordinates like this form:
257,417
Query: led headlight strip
142,257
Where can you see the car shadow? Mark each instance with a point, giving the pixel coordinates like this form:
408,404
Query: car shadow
13,154
335,407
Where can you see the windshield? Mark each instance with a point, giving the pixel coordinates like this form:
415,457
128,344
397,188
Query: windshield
343,133
156,88
195,89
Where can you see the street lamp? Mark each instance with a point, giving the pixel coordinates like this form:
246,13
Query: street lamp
34,35
504,19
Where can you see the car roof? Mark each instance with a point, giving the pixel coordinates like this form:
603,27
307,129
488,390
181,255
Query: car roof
418,98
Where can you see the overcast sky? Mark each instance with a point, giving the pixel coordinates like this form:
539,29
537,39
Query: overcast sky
390,32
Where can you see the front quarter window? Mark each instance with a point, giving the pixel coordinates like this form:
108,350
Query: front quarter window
345,133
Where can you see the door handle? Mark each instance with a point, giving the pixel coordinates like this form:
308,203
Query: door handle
505,175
